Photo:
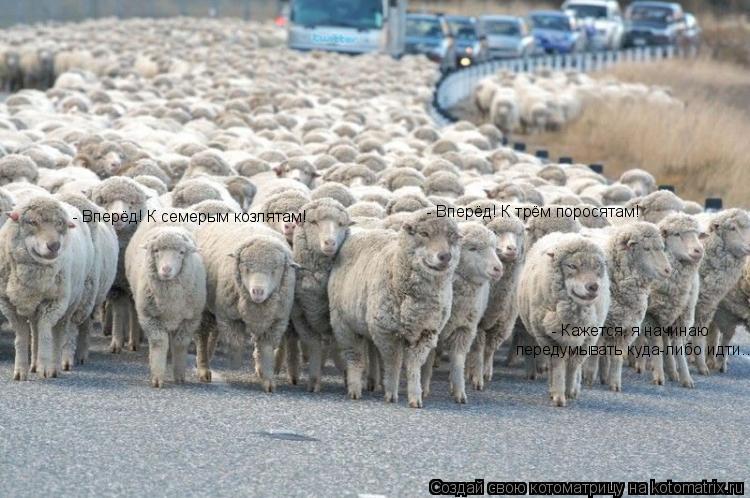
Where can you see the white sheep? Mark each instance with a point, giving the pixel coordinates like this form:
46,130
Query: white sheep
564,283
168,281
250,276
400,301
478,266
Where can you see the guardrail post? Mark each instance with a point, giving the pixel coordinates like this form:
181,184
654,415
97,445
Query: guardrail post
667,187
713,204
565,160
597,168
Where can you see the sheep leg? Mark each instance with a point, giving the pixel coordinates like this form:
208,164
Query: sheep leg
355,352
712,341
134,327
69,342
669,364
22,345
82,341
179,345
475,361
264,362
573,375
108,321
457,380
202,355
493,341
34,348
604,363
315,364
46,357
590,370
280,354
615,366
120,319
657,364
427,369
415,357
392,354
158,344
373,368
292,358
557,380
686,380
726,325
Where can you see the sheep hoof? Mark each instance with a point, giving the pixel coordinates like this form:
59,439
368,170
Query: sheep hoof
460,398
658,381
80,361
179,379
313,387
723,368
478,385
688,383
293,380
204,375
559,400
391,397
66,366
48,372
32,368
415,403
115,348
157,382
703,370
132,346
353,395
268,386
19,375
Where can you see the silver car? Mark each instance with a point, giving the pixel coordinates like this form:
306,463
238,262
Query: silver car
602,21
507,36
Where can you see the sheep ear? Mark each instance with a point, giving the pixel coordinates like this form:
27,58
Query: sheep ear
702,236
232,255
409,228
13,215
664,234
628,244
489,193
315,174
714,226
551,254
71,224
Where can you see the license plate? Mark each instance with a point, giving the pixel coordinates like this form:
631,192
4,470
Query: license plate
639,41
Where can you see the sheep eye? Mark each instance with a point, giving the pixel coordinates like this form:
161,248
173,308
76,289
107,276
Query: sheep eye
314,222
473,249
732,228
424,234
571,266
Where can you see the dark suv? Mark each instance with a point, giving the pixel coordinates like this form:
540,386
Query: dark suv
653,23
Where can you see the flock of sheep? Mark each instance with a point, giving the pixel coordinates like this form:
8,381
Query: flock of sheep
547,100
127,195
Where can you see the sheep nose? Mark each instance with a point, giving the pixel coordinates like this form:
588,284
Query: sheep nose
53,246
444,257
166,269
667,270
329,243
592,287
257,294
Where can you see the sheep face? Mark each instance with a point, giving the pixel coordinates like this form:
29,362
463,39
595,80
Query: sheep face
509,246
43,227
734,229
683,245
646,255
108,162
479,262
167,251
326,227
435,242
260,268
241,190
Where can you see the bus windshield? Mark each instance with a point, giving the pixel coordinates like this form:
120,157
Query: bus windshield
359,14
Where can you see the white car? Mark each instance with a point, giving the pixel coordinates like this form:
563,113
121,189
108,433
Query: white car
602,21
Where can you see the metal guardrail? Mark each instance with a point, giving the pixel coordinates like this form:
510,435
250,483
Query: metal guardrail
458,85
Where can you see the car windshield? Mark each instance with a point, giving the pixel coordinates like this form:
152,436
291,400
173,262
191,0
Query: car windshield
423,27
360,14
463,28
507,28
544,21
649,14
584,11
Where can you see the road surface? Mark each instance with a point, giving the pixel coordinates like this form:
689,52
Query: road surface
102,431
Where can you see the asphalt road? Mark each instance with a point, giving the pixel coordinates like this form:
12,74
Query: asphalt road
102,431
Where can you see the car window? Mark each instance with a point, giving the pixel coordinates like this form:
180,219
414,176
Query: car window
584,11
505,28
424,28
557,23
463,29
